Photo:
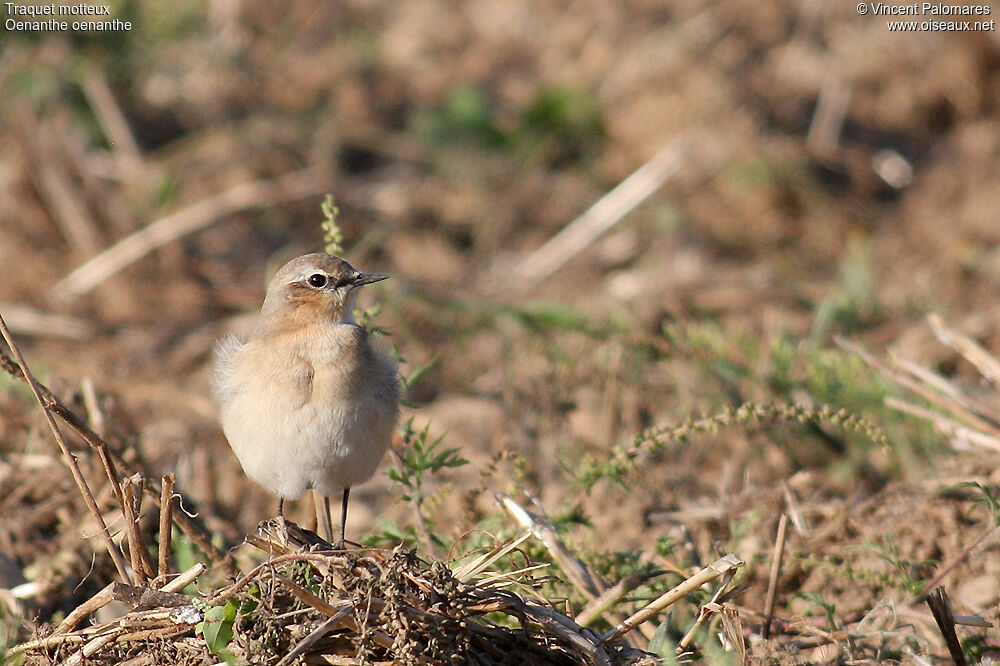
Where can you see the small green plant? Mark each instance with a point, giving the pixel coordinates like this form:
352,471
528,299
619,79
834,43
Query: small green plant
390,534
654,439
909,573
464,116
409,381
422,456
829,609
544,318
366,319
853,305
663,644
559,126
987,497
333,243
562,125
979,648
740,528
217,623
217,628
185,554
333,236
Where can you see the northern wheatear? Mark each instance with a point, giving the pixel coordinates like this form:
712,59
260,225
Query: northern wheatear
307,402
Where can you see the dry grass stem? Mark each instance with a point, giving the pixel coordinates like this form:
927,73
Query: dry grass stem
288,187
92,647
915,385
92,605
69,211
948,568
604,214
112,460
185,578
27,320
772,580
68,457
95,415
611,596
132,492
311,599
720,567
987,363
166,520
314,637
574,569
707,610
946,425
794,509
948,389
476,567
940,606
823,138
130,165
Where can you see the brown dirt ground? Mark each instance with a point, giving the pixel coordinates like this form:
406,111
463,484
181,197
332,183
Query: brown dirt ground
760,226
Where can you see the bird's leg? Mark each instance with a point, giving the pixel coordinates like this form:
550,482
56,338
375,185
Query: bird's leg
282,526
323,521
343,519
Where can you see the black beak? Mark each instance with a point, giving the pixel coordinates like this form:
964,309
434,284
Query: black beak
368,278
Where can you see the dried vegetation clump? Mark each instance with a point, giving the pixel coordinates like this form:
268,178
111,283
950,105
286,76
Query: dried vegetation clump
313,603
804,173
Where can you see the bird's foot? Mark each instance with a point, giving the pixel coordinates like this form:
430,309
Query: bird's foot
282,529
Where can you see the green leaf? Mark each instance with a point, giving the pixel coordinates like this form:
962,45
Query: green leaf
661,643
391,535
418,373
217,626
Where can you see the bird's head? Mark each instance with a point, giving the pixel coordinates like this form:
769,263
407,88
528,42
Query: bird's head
313,287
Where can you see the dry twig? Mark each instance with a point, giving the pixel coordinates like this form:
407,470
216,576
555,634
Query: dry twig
68,457
940,606
111,460
986,362
720,567
945,570
166,514
27,320
127,251
126,150
908,382
574,569
772,580
946,425
604,214
131,507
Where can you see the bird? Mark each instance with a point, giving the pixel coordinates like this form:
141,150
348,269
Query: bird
307,401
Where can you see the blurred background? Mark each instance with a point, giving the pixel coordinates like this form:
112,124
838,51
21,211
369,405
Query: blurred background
809,173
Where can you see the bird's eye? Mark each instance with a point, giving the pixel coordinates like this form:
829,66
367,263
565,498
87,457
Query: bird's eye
317,280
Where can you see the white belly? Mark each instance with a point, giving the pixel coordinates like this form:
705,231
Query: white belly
335,439
314,447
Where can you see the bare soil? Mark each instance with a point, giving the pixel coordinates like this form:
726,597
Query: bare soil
834,179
